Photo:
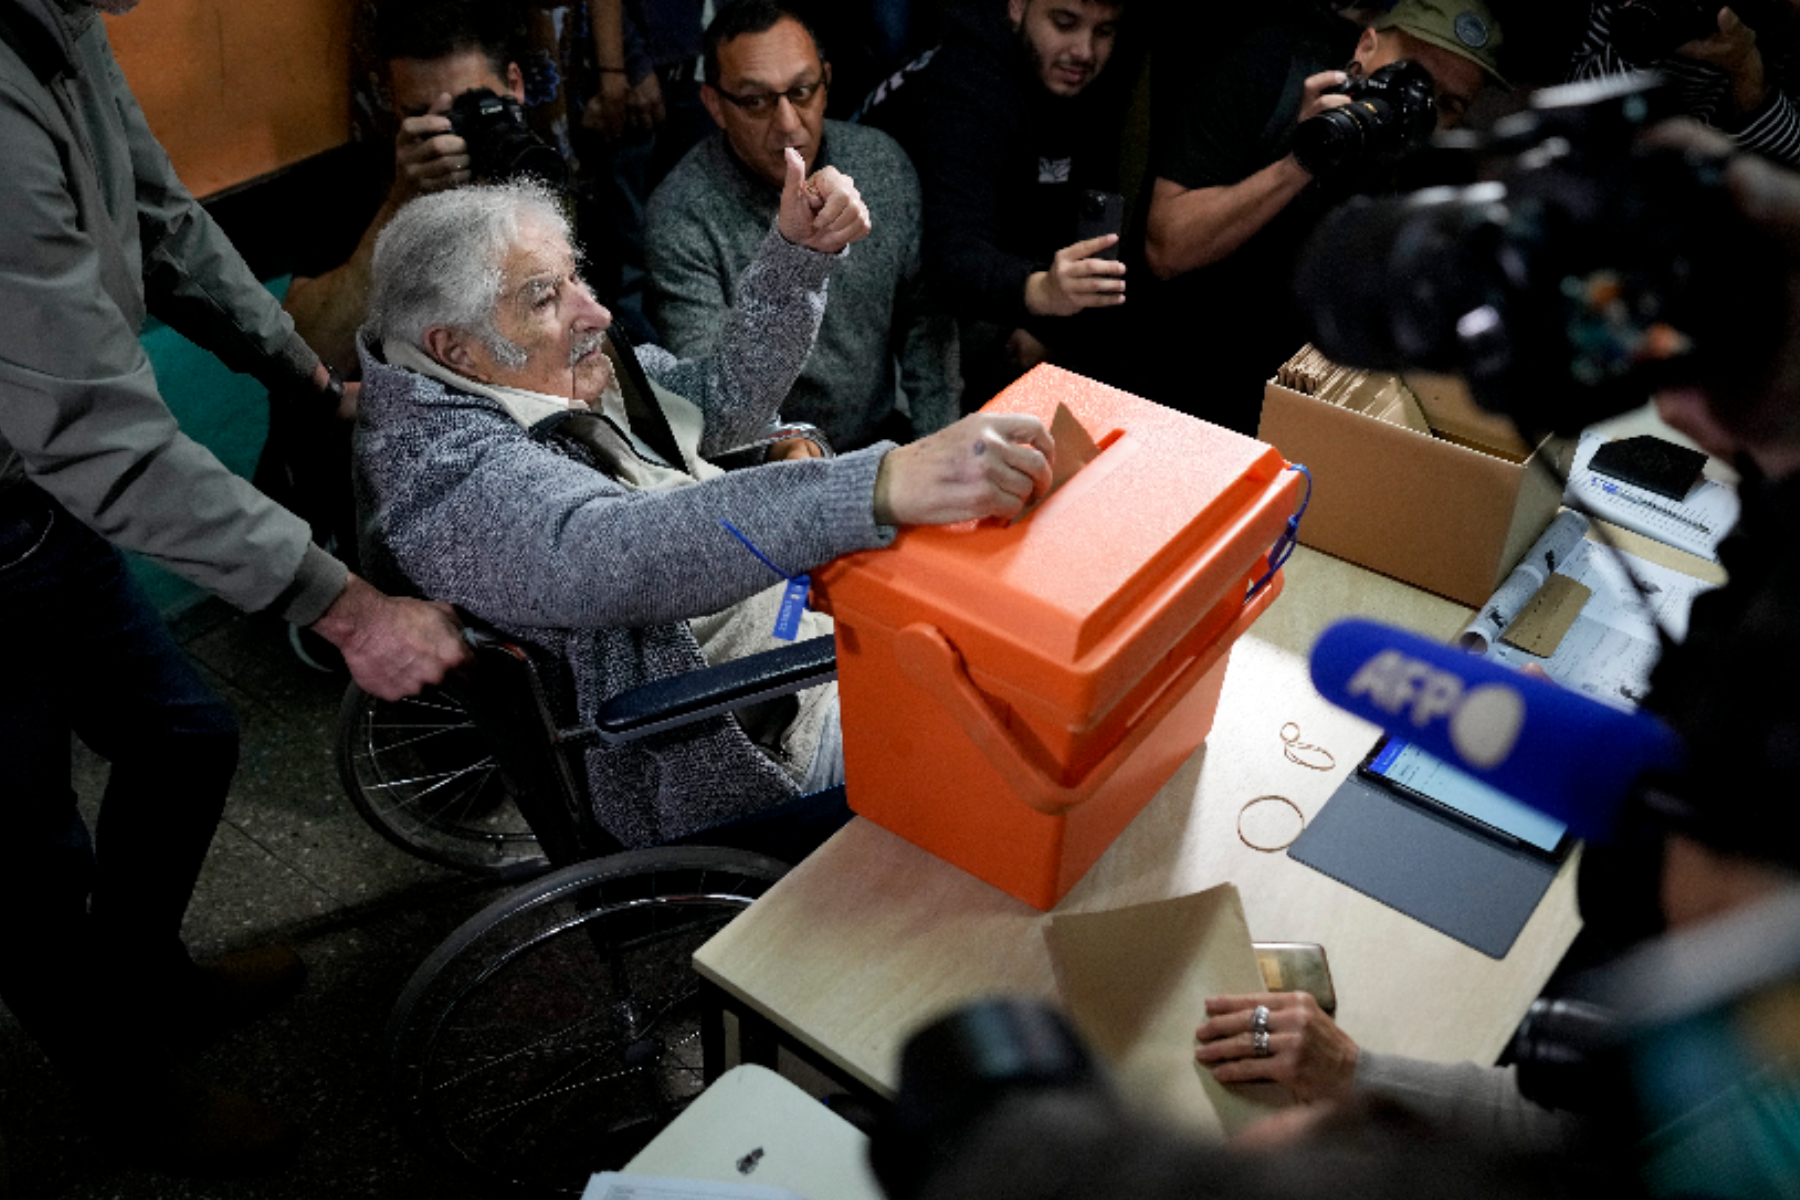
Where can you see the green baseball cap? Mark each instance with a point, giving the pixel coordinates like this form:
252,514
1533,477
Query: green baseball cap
1463,27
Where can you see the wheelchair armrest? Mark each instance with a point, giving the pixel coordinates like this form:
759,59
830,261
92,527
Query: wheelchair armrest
681,699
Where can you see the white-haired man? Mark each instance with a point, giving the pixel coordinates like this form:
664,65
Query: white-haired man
515,461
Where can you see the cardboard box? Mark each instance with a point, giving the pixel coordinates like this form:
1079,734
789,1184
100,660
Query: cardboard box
1445,517
1013,694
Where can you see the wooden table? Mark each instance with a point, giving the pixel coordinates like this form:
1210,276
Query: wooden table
871,937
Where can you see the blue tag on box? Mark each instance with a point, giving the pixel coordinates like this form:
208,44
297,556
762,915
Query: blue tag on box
793,604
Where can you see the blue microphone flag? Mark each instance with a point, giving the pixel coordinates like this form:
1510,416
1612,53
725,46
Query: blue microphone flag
1567,756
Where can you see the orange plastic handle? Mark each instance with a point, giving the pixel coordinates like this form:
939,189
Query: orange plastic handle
931,662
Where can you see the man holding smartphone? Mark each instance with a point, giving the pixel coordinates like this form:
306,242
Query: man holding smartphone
1010,122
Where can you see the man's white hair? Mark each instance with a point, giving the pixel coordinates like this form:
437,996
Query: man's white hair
441,261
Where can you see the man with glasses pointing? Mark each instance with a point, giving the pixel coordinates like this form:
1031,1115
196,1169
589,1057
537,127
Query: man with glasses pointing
766,84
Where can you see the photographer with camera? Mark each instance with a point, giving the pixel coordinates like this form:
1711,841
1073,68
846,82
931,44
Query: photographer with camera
438,55
1734,68
1231,202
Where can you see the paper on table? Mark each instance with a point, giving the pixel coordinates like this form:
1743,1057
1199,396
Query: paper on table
615,1185
1696,524
1612,646
1552,548
1136,980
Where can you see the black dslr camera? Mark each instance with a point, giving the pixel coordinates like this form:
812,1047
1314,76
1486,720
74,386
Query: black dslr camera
1584,273
1646,30
1391,113
501,145
957,1073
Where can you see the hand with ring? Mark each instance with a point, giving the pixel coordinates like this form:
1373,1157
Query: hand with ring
1284,1037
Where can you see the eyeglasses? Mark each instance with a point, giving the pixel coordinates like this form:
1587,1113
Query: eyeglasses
762,104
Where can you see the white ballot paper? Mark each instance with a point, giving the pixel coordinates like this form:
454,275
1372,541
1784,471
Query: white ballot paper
1135,980
1611,645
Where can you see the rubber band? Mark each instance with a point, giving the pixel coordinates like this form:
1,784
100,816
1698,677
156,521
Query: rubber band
1292,748
1252,803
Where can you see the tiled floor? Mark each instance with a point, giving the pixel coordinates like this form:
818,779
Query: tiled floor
293,862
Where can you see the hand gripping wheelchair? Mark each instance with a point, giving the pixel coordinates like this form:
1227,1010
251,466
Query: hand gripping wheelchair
559,1029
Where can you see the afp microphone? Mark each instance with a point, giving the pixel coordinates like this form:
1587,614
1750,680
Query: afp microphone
1563,754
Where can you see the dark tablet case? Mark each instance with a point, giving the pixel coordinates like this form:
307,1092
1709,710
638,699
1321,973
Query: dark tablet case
1434,869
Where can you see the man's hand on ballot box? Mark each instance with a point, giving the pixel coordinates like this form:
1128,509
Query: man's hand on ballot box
985,465
1301,1046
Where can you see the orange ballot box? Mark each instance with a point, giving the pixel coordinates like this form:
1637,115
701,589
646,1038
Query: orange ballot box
1014,694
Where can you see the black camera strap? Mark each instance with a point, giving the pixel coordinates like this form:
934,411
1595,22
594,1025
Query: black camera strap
648,421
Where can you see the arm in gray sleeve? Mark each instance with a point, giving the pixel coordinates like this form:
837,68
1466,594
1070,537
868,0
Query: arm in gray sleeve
485,518
1482,1102
762,345
80,413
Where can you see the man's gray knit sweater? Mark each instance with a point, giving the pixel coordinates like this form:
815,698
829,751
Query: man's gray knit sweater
528,530
704,224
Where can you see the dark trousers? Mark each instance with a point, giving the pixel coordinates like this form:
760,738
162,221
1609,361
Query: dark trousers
90,952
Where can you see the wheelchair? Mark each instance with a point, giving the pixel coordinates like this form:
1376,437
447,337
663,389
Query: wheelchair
425,777
559,1029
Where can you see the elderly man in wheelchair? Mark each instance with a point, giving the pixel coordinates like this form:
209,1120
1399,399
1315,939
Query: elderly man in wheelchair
515,460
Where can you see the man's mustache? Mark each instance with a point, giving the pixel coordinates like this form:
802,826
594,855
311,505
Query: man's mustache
583,344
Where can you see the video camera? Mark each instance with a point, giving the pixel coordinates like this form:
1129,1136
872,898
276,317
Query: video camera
1392,112
1585,272
962,1068
501,144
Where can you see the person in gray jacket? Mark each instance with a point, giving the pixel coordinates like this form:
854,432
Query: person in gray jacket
98,232
514,459
884,364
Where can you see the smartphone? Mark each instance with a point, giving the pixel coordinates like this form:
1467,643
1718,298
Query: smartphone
1098,214
1407,772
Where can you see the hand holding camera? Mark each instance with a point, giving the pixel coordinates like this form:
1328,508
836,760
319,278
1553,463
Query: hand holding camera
1383,117
428,155
479,136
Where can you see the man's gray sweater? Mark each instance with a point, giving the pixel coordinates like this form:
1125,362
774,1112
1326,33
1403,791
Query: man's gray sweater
705,223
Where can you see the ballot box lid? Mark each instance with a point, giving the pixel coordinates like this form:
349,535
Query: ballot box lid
1069,606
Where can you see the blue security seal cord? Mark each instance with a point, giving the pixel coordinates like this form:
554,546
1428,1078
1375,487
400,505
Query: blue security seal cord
1284,545
793,600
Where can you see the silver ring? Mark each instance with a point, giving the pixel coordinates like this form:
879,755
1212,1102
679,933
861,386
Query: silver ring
1259,1018
1259,1044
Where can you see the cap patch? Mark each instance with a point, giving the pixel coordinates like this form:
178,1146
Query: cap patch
1470,30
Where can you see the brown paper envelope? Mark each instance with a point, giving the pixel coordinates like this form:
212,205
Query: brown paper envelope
1539,628
1136,980
1075,449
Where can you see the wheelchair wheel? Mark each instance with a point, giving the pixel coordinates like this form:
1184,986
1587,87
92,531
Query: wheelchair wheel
557,1031
422,774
